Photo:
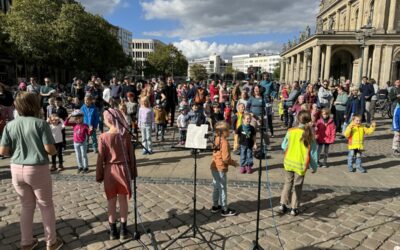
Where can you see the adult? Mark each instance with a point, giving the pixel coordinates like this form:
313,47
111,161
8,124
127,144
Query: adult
172,99
128,86
310,97
235,95
106,92
394,94
269,88
6,106
248,86
340,106
243,99
214,90
374,98
223,95
116,90
97,95
324,95
45,92
355,105
289,102
28,140
33,86
256,108
78,90
367,91
161,94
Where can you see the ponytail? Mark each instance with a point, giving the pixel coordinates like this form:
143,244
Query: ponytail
308,135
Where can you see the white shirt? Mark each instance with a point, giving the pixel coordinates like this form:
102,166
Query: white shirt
182,122
107,95
376,89
57,131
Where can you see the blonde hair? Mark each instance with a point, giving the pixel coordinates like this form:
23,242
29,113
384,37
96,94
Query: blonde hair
326,111
27,104
247,115
144,100
222,126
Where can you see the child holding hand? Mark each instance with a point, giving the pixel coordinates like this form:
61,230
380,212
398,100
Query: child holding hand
219,168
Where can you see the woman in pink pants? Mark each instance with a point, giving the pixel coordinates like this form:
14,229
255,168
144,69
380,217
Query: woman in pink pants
29,141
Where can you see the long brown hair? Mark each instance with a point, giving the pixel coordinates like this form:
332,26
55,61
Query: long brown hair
304,117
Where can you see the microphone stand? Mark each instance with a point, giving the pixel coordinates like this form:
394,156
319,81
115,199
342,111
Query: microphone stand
136,234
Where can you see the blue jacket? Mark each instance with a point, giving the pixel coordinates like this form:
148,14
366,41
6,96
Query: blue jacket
269,89
90,115
396,119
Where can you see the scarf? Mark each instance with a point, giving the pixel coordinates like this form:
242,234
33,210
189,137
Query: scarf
246,130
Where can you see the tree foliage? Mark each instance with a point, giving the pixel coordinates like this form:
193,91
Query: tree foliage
277,72
230,70
198,72
63,34
166,60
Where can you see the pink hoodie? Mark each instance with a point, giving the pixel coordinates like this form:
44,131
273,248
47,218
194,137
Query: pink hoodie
325,132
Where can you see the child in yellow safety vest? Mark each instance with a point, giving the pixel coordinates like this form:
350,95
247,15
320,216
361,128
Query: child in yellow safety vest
355,133
237,121
300,153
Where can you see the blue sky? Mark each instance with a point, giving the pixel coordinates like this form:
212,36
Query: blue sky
202,27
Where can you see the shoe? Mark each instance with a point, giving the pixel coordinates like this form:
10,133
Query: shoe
352,170
324,166
294,212
228,212
396,153
215,209
79,170
85,171
150,152
60,168
123,231
282,209
113,231
53,168
34,244
249,170
242,170
57,245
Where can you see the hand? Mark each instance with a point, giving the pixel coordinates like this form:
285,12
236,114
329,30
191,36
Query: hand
373,124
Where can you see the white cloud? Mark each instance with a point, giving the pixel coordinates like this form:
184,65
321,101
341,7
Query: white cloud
197,48
101,7
207,18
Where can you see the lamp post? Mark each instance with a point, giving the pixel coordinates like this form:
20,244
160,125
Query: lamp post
362,35
173,56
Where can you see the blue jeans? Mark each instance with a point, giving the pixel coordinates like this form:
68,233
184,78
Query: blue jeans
93,136
326,152
246,156
355,153
219,195
146,136
81,155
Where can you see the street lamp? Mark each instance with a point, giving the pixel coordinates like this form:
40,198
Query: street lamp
173,56
362,35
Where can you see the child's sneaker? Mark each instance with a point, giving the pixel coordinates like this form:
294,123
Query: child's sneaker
248,169
53,168
294,212
215,209
57,245
242,170
85,171
79,170
60,168
282,209
228,212
396,153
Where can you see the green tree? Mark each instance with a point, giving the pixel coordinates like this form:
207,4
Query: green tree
277,72
230,70
166,60
198,72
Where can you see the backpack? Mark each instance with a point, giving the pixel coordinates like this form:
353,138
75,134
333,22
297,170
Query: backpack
200,96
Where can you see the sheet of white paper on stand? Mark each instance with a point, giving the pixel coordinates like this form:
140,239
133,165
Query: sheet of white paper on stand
196,136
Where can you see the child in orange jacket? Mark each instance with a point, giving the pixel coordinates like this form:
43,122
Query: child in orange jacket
219,167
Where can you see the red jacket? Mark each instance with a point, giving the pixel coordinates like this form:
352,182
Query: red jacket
325,132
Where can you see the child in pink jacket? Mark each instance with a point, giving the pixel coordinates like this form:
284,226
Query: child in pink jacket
325,135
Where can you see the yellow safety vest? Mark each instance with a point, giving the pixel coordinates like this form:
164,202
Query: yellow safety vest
297,155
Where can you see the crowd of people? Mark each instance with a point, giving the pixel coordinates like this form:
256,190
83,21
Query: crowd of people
315,116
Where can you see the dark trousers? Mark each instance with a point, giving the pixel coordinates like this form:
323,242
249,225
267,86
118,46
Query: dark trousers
172,115
160,130
59,147
270,126
64,138
339,120
182,135
289,118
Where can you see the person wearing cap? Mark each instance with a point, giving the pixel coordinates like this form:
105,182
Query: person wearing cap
81,133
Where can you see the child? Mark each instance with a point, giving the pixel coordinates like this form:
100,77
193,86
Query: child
355,133
293,111
146,124
182,124
314,113
127,118
160,119
116,166
51,108
91,118
62,114
81,134
237,121
131,109
184,102
219,168
281,110
196,115
396,130
300,154
57,126
207,107
247,138
228,113
217,115
76,103
325,135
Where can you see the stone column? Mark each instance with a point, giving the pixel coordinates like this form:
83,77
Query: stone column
348,20
282,71
360,20
376,62
328,55
380,16
392,17
386,71
297,75
365,61
322,70
337,20
304,72
316,56
291,74
286,69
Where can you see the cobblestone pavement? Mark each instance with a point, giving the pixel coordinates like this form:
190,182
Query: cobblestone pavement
330,219
341,210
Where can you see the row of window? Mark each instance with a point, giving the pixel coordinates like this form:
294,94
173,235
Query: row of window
140,54
142,45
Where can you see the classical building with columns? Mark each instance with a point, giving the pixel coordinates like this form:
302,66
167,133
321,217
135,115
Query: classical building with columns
353,38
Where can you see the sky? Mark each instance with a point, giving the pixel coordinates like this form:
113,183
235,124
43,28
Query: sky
200,28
